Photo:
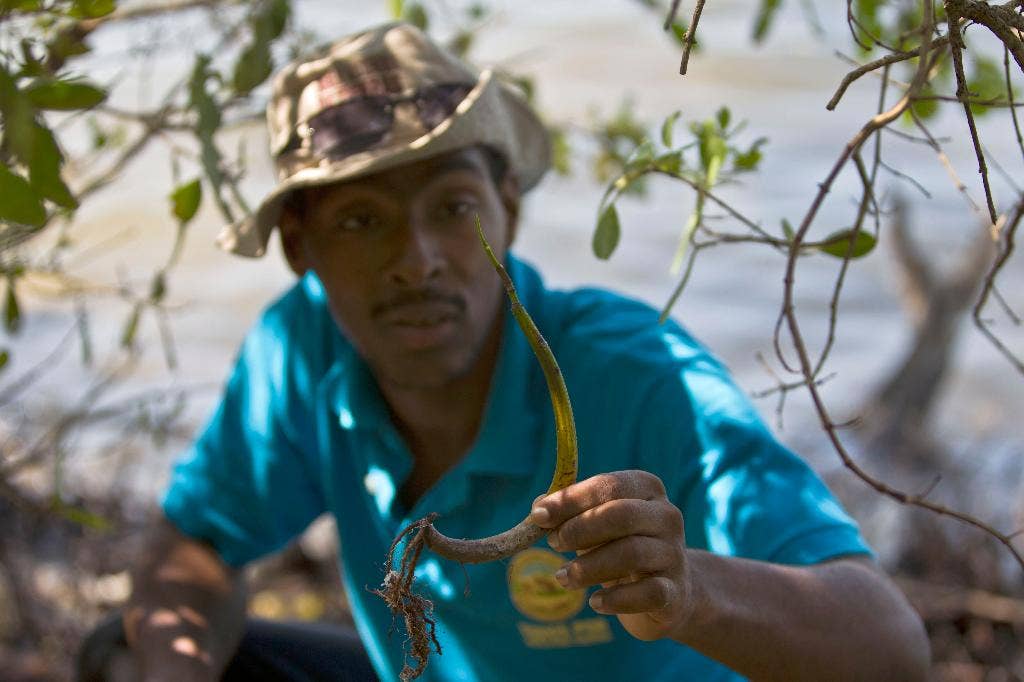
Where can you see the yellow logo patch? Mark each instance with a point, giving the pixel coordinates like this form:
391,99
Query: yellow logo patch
534,591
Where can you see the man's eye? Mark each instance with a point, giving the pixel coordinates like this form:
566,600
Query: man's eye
355,222
458,208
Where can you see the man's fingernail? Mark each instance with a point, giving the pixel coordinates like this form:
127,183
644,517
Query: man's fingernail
596,602
554,542
562,576
540,516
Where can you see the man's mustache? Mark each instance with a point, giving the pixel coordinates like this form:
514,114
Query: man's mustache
418,297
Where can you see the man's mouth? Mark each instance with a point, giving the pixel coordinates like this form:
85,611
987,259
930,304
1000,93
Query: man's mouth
422,321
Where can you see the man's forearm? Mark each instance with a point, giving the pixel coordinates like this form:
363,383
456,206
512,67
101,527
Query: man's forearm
187,611
840,620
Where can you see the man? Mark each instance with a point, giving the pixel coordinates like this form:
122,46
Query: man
389,382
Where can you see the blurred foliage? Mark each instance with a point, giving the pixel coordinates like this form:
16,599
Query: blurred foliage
44,85
708,157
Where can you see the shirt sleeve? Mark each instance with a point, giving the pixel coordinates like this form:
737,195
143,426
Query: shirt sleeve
742,493
247,486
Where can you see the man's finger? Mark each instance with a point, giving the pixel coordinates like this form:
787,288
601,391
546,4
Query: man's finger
654,595
560,506
626,558
617,519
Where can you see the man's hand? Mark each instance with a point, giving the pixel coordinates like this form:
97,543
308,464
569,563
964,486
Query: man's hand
767,621
629,539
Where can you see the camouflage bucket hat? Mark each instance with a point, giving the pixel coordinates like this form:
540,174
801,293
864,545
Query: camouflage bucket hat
379,99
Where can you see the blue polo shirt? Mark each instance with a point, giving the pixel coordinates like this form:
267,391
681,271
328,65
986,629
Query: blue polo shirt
302,430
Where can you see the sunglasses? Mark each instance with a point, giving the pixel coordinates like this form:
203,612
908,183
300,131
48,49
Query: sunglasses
360,123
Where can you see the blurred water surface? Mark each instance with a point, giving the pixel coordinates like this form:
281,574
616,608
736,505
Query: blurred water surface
584,56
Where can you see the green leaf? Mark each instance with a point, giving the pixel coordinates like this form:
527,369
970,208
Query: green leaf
723,116
396,7
79,515
272,19
788,230
44,169
20,5
987,81
12,311
66,44
416,15
63,95
92,9
5,357
765,17
713,150
679,31
748,160
476,11
561,154
869,23
606,236
925,109
18,118
667,126
838,244
672,162
18,201
461,43
254,66
185,200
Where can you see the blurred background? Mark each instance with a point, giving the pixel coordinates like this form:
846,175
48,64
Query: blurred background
107,379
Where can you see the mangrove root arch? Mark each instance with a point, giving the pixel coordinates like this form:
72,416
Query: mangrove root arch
397,587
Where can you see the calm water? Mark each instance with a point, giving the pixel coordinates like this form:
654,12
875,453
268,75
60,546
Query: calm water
584,62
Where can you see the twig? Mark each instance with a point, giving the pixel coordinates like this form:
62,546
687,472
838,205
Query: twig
903,176
887,60
1009,96
956,47
1004,304
1010,229
946,163
671,16
691,34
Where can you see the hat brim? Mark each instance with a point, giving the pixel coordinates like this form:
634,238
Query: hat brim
491,114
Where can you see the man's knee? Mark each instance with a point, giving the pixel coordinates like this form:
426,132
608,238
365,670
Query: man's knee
104,655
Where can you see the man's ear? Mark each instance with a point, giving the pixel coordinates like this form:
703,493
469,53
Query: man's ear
290,226
508,189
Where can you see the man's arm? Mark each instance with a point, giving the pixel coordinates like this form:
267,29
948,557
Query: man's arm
186,614
840,620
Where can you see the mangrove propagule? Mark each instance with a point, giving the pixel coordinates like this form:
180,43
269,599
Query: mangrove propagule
397,587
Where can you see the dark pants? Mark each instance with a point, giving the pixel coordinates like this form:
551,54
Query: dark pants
269,652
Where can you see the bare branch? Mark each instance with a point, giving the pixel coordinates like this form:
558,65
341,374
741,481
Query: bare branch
956,47
888,60
944,159
691,34
1009,96
1009,230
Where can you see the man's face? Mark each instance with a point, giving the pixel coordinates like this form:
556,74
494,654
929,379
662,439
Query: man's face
405,275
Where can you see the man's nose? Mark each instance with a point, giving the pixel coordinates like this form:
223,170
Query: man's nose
417,257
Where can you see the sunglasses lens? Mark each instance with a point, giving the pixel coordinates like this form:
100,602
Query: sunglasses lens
438,102
350,127
361,123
